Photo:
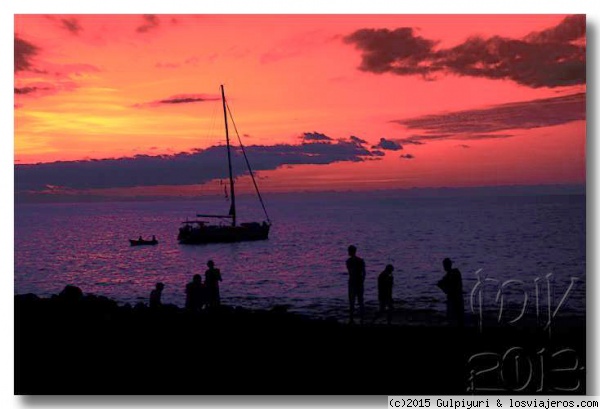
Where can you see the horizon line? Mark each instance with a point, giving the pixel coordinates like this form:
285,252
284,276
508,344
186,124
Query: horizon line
501,190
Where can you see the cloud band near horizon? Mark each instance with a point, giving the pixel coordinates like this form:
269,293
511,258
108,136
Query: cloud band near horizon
487,122
180,169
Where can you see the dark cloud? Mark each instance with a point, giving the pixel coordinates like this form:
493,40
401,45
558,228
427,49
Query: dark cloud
570,29
356,139
430,137
407,156
49,78
179,99
419,139
411,141
315,137
463,146
388,145
26,90
551,58
179,169
531,64
44,88
71,24
488,122
24,52
150,22
184,100
399,51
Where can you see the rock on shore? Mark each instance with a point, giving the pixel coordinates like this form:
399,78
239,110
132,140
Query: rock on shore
85,344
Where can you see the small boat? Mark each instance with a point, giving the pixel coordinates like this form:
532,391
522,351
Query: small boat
200,231
142,242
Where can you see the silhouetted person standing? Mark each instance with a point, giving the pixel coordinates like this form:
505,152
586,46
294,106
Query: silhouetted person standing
194,294
155,295
356,280
212,276
451,284
385,283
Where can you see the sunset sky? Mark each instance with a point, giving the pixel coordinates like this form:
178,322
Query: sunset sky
129,104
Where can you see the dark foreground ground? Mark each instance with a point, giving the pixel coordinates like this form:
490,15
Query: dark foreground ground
90,345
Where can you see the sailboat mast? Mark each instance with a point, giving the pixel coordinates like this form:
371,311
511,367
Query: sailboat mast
232,210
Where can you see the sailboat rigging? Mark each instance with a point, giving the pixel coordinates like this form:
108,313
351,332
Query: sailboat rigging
200,231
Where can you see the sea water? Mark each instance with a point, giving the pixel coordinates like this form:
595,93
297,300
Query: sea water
532,243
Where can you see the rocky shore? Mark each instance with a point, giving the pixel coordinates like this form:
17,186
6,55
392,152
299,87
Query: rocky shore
85,344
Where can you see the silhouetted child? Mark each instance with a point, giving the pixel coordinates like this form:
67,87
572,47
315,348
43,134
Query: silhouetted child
212,276
385,283
356,279
451,284
155,295
194,294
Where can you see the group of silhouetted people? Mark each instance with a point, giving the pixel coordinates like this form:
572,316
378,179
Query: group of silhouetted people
450,284
356,286
198,294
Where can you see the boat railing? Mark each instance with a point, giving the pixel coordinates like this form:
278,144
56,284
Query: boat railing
200,222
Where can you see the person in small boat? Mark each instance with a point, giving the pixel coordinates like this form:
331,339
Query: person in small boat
212,276
385,283
356,279
140,239
194,294
451,284
155,296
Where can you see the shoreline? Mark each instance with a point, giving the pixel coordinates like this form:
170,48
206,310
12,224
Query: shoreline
91,345
403,315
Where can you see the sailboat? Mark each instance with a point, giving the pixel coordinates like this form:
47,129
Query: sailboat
200,231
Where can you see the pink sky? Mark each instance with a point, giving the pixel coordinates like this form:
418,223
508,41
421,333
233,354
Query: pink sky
439,86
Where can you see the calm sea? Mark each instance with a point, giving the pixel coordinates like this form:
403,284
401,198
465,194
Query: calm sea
533,244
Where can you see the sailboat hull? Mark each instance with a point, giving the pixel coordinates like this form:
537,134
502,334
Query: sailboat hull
203,234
